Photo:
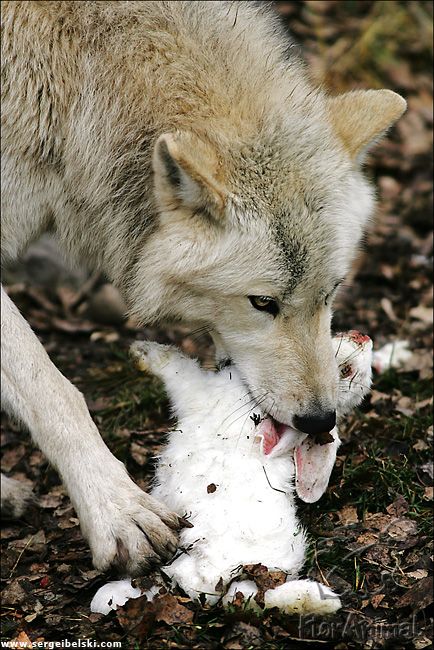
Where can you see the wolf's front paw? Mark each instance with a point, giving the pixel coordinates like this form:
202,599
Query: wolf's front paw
127,529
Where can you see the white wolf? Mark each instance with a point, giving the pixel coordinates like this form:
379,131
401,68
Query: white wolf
233,473
180,148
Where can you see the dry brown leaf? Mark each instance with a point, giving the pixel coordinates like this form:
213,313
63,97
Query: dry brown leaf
422,642
248,635
14,594
425,402
12,457
136,616
70,522
419,596
377,396
420,445
168,610
379,554
35,543
139,453
418,574
420,360
390,188
233,645
367,538
21,641
376,600
398,508
50,500
388,309
72,326
106,337
377,520
402,528
424,314
405,405
348,515
264,579
100,404
68,297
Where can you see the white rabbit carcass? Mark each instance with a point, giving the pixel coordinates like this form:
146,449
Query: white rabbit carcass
234,472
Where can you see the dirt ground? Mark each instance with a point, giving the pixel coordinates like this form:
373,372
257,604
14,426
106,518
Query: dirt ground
371,534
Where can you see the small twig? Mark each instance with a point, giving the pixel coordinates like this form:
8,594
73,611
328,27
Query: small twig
326,582
268,481
19,557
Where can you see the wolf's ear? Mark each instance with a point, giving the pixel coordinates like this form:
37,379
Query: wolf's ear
185,171
361,116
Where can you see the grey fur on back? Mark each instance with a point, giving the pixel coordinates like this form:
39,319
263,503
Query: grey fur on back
105,79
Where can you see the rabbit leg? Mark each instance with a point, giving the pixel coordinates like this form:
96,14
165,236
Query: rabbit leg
181,375
302,597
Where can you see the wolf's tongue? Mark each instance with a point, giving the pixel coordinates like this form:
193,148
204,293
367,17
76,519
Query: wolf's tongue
271,435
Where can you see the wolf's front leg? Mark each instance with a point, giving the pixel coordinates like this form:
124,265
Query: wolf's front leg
125,527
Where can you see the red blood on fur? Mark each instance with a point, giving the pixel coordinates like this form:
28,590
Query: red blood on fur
358,337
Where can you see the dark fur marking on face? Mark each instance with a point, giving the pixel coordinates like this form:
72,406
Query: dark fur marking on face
294,253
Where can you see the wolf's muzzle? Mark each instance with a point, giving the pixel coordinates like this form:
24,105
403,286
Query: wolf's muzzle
315,424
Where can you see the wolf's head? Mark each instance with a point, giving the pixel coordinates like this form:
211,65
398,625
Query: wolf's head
255,235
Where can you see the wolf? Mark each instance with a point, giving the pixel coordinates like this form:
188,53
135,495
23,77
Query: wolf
181,149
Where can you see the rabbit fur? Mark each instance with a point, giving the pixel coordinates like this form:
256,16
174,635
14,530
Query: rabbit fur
227,468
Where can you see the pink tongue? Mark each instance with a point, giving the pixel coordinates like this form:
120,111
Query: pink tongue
270,436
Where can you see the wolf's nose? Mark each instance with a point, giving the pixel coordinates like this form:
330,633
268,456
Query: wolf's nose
315,424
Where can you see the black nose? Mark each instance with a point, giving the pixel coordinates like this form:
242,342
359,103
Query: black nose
315,424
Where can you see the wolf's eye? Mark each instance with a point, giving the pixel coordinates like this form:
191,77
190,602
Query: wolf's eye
265,303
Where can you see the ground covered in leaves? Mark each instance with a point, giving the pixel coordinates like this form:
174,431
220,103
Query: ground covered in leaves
371,533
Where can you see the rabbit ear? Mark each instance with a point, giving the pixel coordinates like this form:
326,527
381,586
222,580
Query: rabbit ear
313,466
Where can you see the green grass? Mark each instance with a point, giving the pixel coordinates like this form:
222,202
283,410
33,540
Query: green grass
134,401
407,383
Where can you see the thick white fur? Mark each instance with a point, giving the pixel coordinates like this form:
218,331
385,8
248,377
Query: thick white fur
182,150
240,501
113,595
